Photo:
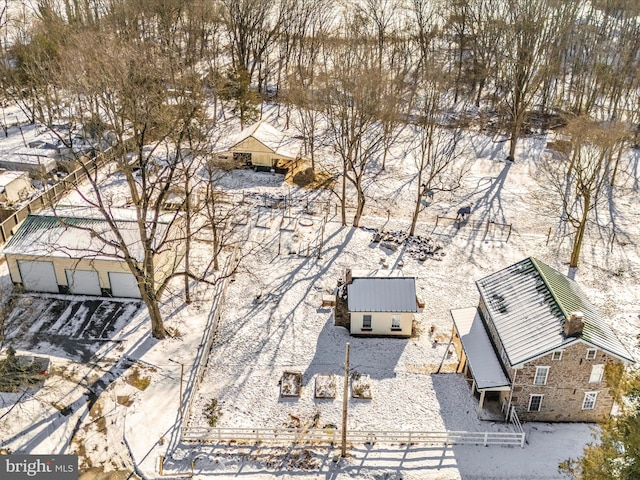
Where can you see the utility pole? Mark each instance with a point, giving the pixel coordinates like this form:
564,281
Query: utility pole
345,402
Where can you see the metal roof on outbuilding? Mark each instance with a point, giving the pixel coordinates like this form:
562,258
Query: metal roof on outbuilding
528,303
382,294
74,237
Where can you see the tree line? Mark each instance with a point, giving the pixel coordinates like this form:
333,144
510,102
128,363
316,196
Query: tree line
154,78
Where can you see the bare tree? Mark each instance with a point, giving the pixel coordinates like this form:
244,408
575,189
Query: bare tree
436,150
581,176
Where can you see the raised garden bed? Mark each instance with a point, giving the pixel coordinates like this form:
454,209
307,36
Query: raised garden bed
326,386
361,386
291,384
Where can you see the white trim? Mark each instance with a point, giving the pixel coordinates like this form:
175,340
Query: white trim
591,350
597,372
546,375
553,354
531,399
588,395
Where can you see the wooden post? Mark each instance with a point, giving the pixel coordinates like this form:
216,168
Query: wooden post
437,218
181,378
548,235
345,402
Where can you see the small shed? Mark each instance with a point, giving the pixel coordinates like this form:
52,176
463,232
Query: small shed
381,305
14,186
57,254
260,145
37,161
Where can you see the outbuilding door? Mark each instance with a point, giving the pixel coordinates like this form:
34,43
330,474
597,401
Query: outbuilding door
83,282
38,276
124,285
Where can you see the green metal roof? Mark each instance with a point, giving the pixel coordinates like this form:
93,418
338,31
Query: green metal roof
528,303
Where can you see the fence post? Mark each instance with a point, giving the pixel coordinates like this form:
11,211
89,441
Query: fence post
437,219
486,438
522,440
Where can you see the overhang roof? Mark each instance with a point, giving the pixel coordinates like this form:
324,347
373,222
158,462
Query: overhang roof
481,356
528,303
382,294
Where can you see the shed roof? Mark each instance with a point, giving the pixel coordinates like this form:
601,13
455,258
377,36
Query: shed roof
528,303
8,176
72,237
483,362
382,294
269,136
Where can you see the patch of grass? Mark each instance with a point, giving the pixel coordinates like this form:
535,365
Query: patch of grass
17,372
96,414
125,400
135,379
212,412
64,410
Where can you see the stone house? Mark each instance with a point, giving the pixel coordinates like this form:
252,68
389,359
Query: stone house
536,344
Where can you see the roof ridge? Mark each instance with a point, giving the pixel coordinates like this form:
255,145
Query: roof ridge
546,281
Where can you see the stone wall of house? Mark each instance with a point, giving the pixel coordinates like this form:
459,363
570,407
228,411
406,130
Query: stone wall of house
567,383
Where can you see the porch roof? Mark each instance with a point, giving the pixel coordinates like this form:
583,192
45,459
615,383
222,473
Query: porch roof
481,357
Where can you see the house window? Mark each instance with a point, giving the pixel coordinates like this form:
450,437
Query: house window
589,402
591,354
366,322
541,376
556,356
597,372
535,402
395,322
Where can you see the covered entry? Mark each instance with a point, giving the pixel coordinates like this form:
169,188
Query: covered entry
38,276
477,354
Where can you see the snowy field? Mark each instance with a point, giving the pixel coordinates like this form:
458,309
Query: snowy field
273,321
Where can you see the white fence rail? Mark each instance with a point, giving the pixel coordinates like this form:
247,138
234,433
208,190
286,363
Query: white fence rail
332,436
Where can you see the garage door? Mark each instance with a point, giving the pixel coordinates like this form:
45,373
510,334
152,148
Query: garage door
38,276
124,285
83,282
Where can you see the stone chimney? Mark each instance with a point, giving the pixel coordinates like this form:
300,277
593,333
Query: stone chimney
574,324
347,277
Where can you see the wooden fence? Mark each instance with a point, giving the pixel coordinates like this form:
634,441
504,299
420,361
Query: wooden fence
332,436
50,196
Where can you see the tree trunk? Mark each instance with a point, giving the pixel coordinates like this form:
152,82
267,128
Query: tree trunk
416,210
577,240
343,198
515,134
360,207
157,324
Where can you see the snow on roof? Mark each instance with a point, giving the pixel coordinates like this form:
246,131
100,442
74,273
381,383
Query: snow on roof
269,136
8,176
380,294
528,303
73,237
483,362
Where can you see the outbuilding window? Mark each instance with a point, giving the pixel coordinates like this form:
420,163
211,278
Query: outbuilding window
395,322
366,322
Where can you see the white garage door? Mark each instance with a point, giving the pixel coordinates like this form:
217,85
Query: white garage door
83,282
124,285
38,276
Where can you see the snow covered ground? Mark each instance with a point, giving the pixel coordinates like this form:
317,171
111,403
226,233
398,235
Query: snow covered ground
273,321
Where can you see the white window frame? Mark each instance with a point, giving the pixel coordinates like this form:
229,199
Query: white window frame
556,356
591,353
597,373
364,319
589,402
537,395
538,374
395,322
